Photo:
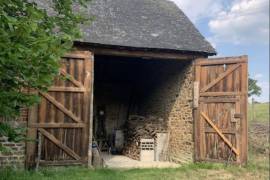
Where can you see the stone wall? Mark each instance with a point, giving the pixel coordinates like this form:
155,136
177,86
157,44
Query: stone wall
170,97
14,153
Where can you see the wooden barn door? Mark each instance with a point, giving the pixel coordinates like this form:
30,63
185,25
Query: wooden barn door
220,100
61,122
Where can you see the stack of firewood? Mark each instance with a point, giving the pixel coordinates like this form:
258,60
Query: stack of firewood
139,127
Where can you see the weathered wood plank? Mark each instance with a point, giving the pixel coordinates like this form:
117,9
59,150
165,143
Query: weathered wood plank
32,135
62,162
220,133
142,53
61,107
224,131
219,78
87,108
244,103
222,93
197,134
219,100
67,89
221,61
57,125
59,144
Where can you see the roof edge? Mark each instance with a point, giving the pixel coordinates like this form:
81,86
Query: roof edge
130,48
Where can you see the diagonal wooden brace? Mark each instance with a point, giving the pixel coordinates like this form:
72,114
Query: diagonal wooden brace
53,139
220,133
220,77
61,107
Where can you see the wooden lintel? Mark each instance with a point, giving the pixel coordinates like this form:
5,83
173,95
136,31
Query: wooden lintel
77,55
141,53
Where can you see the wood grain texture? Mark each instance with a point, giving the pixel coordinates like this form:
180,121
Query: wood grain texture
63,116
222,137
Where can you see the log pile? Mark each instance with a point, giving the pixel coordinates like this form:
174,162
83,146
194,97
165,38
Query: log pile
138,127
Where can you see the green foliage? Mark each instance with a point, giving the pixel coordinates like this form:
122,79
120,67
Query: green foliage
31,44
13,134
253,88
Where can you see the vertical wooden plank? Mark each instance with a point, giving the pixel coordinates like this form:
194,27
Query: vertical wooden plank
244,88
90,126
31,134
81,77
87,109
60,116
197,135
204,80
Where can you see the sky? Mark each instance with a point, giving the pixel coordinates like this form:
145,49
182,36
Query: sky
234,28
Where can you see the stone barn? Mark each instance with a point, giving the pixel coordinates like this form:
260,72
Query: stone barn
140,90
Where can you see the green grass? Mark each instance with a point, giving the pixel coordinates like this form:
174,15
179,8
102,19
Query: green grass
190,171
261,112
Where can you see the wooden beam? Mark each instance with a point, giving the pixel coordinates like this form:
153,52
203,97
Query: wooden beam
222,93
220,133
76,55
224,131
244,109
66,89
61,162
223,60
196,94
57,125
141,53
218,100
220,77
59,144
60,107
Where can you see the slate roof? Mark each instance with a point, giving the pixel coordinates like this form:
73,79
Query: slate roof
149,24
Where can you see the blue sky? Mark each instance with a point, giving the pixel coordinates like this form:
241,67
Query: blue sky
236,27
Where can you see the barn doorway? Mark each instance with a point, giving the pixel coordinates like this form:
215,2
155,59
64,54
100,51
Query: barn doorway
132,101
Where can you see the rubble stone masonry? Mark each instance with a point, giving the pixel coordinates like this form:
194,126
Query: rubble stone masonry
14,153
171,99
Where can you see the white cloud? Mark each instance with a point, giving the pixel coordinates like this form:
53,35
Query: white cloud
258,76
246,22
197,10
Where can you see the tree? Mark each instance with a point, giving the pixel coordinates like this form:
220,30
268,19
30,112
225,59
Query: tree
253,88
31,44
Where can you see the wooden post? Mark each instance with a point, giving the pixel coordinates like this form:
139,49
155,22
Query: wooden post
252,109
32,135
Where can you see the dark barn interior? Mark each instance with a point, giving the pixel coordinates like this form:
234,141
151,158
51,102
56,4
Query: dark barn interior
127,87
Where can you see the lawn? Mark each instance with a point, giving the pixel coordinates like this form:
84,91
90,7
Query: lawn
258,169
261,112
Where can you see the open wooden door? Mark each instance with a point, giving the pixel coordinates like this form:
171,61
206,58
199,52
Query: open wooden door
61,122
220,101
